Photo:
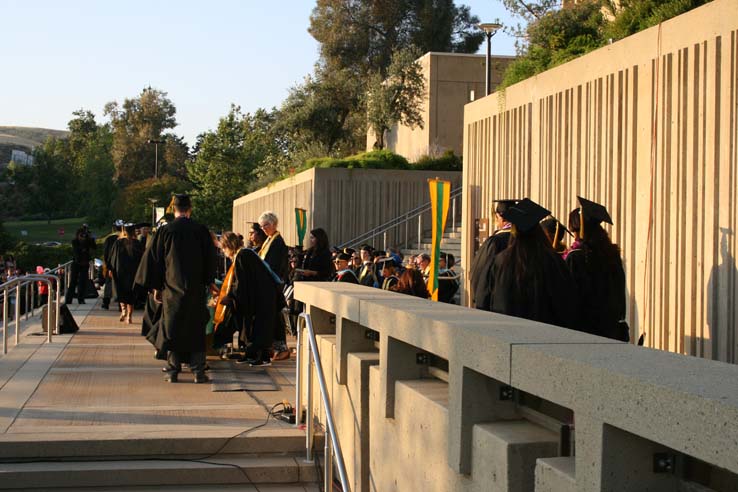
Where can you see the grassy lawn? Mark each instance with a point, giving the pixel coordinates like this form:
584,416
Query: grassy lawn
39,231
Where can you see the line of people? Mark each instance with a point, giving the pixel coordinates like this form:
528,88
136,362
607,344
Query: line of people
525,270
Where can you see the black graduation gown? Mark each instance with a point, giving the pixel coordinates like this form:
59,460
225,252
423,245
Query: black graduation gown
390,282
601,293
108,248
256,296
347,275
151,319
181,264
318,261
123,266
367,275
547,299
480,272
448,285
277,258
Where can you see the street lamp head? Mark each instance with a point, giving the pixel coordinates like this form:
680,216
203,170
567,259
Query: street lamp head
490,27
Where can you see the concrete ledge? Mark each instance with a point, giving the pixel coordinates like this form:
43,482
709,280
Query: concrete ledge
555,475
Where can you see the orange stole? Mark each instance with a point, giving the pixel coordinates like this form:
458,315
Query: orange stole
221,310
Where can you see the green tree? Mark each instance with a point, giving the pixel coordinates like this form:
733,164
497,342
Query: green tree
632,16
225,165
52,186
135,122
133,202
317,118
396,97
361,35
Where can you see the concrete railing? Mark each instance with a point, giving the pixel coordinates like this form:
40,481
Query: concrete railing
431,396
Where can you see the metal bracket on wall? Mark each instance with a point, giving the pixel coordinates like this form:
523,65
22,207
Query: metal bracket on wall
664,462
371,335
507,393
422,359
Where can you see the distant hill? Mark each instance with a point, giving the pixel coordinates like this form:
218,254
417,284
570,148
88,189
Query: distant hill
24,138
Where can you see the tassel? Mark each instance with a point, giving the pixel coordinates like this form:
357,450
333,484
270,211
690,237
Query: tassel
556,235
581,224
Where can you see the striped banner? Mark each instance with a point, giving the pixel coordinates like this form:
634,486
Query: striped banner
440,197
301,223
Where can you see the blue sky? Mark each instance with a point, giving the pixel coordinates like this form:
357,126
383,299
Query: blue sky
58,57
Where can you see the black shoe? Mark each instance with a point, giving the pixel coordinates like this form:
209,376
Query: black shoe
207,368
201,378
261,363
104,306
245,360
170,378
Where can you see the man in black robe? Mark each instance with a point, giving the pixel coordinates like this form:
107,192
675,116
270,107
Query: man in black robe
275,253
83,246
481,267
107,261
179,268
367,273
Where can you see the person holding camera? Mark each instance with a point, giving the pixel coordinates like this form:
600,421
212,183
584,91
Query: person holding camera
82,247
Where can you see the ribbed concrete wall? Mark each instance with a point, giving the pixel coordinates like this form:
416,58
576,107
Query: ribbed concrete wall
647,126
345,202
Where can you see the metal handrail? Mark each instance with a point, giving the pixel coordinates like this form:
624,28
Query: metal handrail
332,446
404,219
19,282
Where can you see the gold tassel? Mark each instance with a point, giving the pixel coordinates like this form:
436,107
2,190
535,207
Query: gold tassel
581,223
170,207
556,234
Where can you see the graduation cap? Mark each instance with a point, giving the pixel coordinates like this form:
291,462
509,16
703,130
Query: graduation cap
142,224
349,251
388,259
366,247
590,211
525,215
552,225
503,205
119,223
593,211
343,256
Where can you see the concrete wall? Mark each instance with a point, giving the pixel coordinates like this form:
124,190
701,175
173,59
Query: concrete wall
408,426
450,79
648,126
345,202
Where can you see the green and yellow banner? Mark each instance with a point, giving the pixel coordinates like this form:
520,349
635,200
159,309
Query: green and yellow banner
440,197
301,223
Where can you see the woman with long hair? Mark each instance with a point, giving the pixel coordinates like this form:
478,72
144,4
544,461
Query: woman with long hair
530,280
316,265
412,283
252,293
125,256
555,233
597,270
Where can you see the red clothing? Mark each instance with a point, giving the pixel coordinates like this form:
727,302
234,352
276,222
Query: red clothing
43,288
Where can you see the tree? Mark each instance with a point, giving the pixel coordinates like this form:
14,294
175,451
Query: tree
398,97
224,166
51,190
316,119
133,202
361,35
133,124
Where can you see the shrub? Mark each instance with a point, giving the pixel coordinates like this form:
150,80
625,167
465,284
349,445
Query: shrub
28,256
376,159
446,162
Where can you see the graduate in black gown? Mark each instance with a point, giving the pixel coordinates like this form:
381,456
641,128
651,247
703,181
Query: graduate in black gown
448,283
107,248
125,256
555,233
180,267
274,251
530,280
389,273
316,265
254,295
480,272
597,269
344,273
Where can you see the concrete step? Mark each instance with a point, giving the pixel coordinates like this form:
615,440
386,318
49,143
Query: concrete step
305,487
102,446
216,470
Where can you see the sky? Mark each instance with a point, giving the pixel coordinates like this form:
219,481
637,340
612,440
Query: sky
58,57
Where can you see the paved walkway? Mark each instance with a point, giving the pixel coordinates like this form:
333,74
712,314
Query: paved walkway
104,379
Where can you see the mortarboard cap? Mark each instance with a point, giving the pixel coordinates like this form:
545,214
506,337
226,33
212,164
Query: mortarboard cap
594,211
182,201
388,260
349,251
552,225
118,223
343,256
503,205
366,247
142,224
525,215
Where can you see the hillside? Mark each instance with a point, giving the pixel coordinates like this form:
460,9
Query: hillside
24,138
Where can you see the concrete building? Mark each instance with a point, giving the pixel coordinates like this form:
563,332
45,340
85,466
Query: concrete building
451,80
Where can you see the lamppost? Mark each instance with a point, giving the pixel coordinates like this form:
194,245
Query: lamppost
156,155
489,28
153,211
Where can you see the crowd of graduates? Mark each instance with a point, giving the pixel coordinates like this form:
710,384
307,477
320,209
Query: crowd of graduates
524,269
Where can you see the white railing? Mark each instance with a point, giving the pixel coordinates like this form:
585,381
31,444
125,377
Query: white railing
403,220
53,280
332,447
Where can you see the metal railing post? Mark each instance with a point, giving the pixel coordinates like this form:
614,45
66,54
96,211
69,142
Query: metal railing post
453,215
406,231
420,230
384,240
309,410
17,313
327,462
298,377
5,321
